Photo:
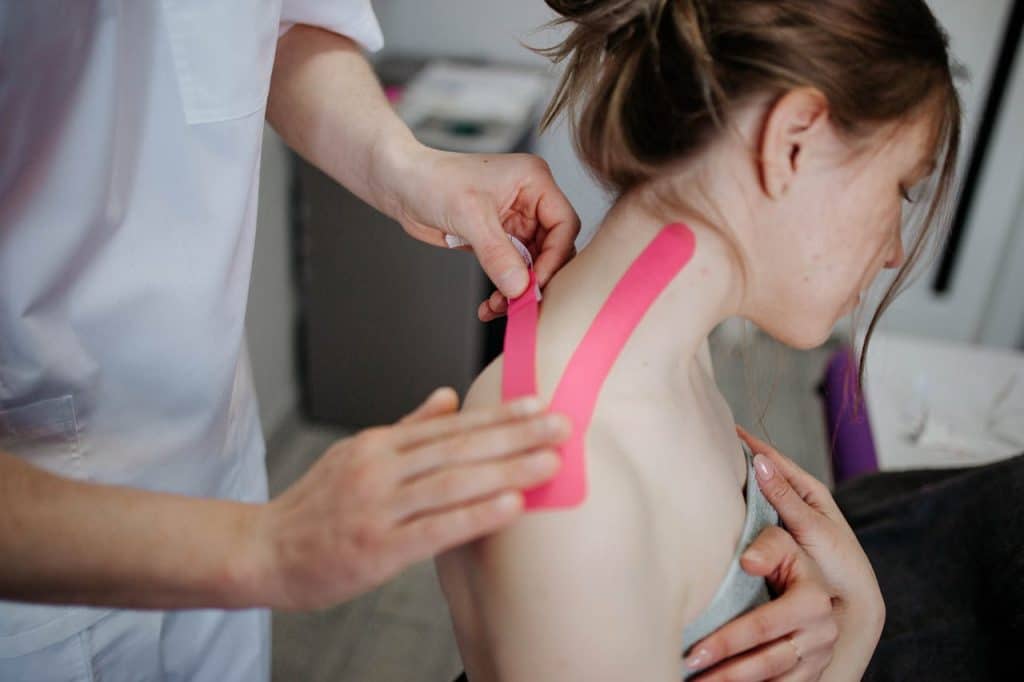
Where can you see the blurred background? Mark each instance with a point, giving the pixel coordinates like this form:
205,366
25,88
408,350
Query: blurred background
351,323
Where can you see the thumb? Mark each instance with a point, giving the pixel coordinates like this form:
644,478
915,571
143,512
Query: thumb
806,486
499,259
773,552
441,401
798,516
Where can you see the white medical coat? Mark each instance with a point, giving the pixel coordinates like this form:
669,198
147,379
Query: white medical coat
128,194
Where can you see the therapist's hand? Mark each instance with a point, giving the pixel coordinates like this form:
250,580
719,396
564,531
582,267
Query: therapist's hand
327,104
811,515
481,198
391,496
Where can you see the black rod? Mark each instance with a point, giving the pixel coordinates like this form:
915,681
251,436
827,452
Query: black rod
996,94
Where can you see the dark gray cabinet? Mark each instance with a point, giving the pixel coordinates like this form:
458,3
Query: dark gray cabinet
384,319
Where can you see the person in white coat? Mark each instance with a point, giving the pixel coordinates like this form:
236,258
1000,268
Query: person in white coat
136,538
132,472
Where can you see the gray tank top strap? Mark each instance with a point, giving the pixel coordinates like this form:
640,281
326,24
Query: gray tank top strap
738,592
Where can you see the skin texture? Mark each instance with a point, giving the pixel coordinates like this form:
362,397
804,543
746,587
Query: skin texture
820,218
792,222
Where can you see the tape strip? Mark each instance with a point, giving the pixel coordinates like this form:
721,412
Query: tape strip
577,391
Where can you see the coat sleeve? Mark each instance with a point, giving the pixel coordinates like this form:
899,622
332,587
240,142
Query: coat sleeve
352,18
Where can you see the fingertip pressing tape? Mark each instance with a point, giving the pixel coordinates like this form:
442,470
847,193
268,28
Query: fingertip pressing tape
454,241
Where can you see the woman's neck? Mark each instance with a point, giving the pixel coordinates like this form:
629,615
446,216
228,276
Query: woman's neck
672,335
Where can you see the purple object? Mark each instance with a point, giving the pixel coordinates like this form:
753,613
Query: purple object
846,416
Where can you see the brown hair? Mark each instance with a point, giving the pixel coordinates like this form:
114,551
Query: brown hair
650,82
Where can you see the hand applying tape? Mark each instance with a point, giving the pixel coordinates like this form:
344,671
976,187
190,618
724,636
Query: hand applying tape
455,241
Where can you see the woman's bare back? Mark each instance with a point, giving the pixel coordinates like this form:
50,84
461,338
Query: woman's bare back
614,581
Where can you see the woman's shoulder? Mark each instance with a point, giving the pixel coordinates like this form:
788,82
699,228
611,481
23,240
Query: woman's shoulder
486,388
614,504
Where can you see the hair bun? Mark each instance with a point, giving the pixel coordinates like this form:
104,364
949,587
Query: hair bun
605,16
571,9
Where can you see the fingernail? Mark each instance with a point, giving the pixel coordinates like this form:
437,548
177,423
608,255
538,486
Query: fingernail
765,468
557,425
531,405
441,391
753,555
699,659
512,282
509,502
547,463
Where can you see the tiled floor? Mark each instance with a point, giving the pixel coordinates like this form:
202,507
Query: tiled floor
398,633
401,633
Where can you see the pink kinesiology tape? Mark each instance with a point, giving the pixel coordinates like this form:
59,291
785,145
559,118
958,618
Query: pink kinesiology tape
577,391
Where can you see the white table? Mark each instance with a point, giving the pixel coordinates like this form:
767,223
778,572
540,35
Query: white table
957,385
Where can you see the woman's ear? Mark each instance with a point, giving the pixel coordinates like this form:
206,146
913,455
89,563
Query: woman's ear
793,123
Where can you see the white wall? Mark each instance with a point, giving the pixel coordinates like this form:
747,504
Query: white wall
490,28
1004,318
270,317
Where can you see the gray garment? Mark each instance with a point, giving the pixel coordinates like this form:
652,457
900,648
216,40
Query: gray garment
739,592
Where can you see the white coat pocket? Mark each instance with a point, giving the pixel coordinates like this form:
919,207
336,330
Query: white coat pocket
44,434
223,53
